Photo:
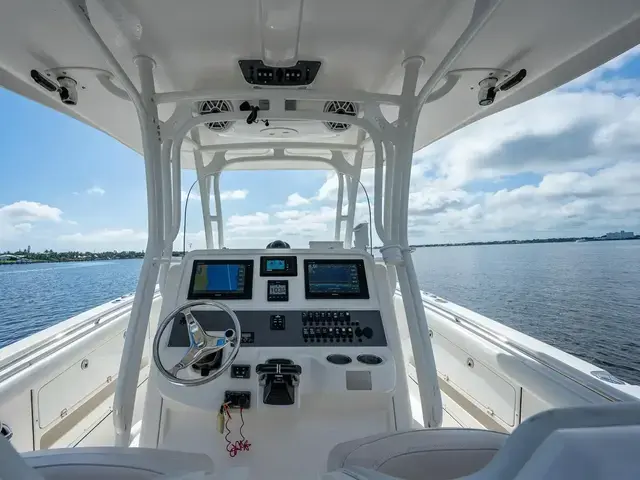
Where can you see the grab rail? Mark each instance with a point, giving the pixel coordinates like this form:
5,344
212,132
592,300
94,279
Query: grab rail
34,353
499,340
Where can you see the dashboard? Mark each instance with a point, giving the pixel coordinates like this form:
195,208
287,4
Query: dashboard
318,336
303,300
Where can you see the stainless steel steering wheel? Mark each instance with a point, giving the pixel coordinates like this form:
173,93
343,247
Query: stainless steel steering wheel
201,343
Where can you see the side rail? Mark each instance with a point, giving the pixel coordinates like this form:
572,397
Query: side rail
502,376
58,384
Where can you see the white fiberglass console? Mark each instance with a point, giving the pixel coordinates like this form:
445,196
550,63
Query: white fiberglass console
319,360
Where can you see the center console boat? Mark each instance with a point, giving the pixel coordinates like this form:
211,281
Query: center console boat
283,363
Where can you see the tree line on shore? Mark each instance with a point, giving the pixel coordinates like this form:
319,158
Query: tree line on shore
49,256
24,256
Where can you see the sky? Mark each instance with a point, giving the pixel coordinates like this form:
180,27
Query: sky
564,164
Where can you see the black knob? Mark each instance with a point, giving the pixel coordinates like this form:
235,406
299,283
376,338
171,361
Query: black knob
358,332
367,332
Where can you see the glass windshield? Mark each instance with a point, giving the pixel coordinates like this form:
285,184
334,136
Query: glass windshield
259,207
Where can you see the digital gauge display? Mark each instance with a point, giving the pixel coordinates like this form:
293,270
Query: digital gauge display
276,265
281,266
277,290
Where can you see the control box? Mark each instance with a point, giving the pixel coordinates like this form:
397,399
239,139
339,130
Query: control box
237,399
241,371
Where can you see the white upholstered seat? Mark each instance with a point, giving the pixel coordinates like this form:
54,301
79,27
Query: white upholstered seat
104,463
433,454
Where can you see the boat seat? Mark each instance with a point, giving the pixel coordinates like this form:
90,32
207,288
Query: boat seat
427,454
102,463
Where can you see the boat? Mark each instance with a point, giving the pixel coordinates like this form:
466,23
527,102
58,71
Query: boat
321,362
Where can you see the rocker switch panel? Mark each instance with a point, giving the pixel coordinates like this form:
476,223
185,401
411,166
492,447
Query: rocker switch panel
240,371
277,322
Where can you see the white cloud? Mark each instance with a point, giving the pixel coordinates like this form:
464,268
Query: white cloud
557,132
295,200
569,203
295,226
226,195
258,221
258,218
588,79
95,190
192,196
329,189
31,211
289,214
23,227
104,240
234,195
19,218
195,241
618,86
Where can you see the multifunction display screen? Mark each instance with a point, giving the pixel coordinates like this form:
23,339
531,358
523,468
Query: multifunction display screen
221,279
285,266
335,279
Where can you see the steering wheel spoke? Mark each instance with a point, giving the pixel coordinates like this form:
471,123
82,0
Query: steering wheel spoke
197,335
201,343
192,356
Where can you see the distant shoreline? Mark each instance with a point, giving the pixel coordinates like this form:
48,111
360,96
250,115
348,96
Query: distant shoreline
30,261
519,242
23,258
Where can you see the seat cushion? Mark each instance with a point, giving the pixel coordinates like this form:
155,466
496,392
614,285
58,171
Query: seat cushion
429,454
102,463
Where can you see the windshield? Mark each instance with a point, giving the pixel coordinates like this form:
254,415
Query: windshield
259,207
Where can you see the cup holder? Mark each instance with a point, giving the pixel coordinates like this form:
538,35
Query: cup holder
339,359
368,359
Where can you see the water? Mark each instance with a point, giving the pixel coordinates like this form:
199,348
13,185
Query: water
580,297
36,296
583,298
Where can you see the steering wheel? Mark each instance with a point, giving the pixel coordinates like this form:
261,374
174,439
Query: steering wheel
201,343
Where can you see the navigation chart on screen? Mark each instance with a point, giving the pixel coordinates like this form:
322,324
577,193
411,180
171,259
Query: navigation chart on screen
219,278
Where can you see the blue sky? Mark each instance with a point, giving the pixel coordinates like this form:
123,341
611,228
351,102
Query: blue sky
564,164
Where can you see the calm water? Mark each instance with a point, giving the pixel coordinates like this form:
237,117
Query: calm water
583,298
36,296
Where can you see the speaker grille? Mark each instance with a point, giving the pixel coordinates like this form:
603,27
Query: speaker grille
341,108
216,106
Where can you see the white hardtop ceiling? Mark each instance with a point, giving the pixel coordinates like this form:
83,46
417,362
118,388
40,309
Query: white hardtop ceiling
361,43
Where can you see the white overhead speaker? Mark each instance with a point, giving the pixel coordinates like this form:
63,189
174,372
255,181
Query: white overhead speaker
216,106
340,108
